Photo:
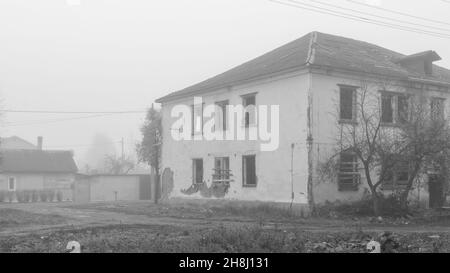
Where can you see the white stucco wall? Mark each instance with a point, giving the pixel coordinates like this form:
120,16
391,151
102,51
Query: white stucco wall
272,168
24,181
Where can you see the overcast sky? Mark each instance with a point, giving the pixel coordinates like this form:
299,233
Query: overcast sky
120,55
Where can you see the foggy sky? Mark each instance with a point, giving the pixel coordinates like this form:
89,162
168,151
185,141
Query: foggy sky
117,55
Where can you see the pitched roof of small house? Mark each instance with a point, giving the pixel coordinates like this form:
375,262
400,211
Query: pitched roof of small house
316,49
15,142
37,161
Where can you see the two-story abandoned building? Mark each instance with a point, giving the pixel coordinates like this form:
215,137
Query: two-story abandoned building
313,81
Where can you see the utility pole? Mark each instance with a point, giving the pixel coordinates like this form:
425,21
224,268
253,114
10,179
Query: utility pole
122,144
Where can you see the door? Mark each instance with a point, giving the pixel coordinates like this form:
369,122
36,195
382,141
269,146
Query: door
436,191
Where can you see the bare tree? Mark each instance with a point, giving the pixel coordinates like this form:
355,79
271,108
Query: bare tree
118,165
413,139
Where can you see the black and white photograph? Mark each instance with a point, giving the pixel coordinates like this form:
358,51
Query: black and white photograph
222,133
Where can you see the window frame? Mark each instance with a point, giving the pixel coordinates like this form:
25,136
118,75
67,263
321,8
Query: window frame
224,171
223,105
353,90
395,106
194,171
245,184
193,119
356,175
247,118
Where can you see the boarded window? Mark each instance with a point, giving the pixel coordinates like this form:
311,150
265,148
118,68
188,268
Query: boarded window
249,103
348,172
197,170
402,109
347,102
221,170
249,170
387,111
437,108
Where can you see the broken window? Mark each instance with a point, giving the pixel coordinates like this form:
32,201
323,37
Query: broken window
221,170
249,170
347,103
221,123
197,171
348,179
249,103
394,108
437,108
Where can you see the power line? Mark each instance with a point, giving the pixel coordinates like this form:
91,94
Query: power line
39,122
402,13
378,16
371,20
362,19
71,112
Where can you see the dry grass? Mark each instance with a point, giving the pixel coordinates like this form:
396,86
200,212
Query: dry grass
18,218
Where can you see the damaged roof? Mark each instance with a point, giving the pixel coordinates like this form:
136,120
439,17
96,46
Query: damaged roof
37,161
316,49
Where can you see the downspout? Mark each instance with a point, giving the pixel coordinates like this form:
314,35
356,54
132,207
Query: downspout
309,140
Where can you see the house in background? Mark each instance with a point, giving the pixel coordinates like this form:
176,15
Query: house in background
37,170
309,79
17,143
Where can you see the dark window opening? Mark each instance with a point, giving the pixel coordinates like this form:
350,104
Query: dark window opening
387,111
347,96
197,169
249,103
437,108
249,170
222,115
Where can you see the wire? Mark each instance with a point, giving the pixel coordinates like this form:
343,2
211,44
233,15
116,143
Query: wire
371,20
70,112
37,122
378,16
401,13
365,20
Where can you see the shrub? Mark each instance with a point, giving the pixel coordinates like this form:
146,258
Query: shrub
59,196
2,196
34,196
10,196
27,196
20,196
43,195
50,195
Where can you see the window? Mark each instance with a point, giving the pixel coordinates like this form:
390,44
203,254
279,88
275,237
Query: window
348,178
437,108
347,103
221,170
11,184
394,108
249,170
402,109
249,103
396,177
197,171
387,109
197,119
222,115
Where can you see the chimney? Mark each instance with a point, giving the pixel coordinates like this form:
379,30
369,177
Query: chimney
39,142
